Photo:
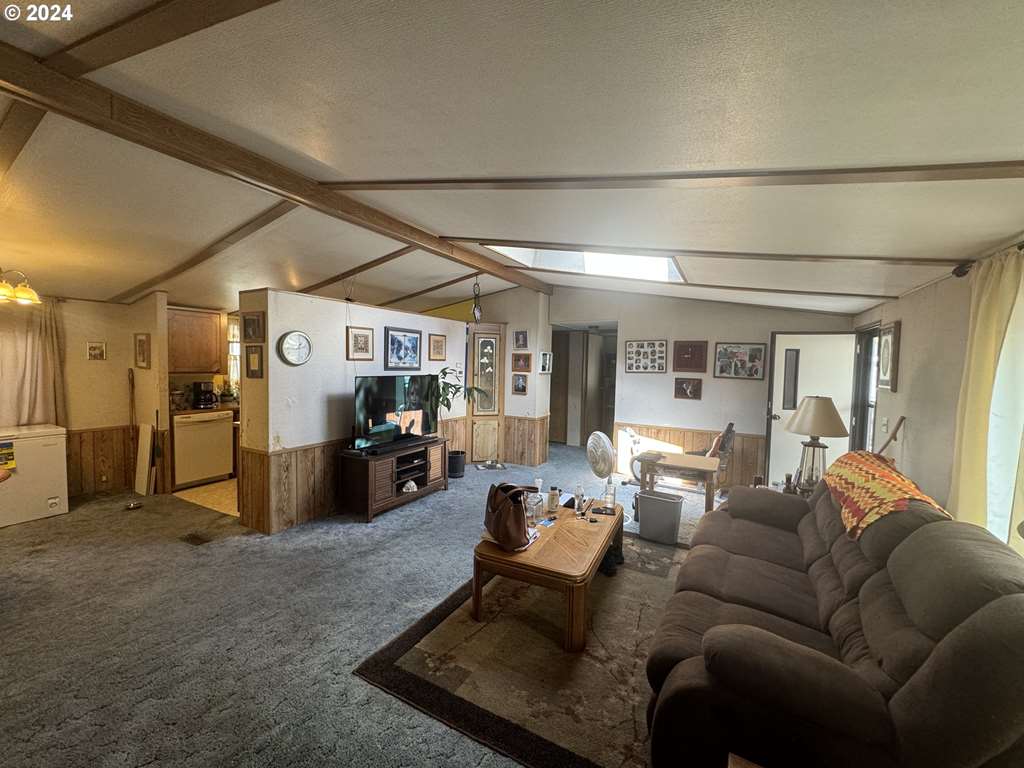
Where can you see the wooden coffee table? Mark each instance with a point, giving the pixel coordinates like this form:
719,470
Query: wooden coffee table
564,558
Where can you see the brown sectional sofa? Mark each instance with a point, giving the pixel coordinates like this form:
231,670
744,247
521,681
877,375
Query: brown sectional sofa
790,644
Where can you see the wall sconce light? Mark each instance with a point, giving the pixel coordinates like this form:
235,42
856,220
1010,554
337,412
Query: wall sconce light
478,312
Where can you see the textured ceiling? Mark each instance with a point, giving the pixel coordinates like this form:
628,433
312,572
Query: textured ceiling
932,220
789,300
377,88
89,216
42,38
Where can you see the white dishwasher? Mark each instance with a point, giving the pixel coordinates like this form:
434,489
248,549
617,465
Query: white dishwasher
202,447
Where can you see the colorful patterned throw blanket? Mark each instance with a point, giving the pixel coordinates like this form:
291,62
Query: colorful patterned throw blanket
868,487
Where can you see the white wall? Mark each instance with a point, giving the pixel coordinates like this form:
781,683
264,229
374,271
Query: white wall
645,398
934,322
523,309
313,403
97,390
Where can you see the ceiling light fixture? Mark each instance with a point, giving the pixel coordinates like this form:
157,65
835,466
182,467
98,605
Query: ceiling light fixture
478,313
22,293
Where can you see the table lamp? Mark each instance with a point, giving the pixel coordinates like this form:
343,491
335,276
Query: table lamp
816,417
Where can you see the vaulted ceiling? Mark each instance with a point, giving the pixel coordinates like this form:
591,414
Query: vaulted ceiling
653,129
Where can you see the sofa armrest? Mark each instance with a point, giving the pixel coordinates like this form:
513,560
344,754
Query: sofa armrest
763,505
782,675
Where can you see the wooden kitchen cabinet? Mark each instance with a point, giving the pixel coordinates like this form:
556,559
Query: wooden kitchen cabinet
196,341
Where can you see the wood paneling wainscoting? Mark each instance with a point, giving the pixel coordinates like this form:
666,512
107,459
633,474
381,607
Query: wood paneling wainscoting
100,460
103,460
285,488
747,450
454,430
525,440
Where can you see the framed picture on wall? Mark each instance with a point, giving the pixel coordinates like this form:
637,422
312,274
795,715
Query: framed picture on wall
358,343
254,329
689,389
520,340
889,356
738,360
690,356
646,356
402,349
545,362
519,383
522,362
95,350
254,361
142,350
437,347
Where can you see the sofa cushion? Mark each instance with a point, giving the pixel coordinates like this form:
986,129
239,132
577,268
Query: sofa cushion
898,645
943,573
884,535
688,615
748,581
764,505
744,537
848,633
812,544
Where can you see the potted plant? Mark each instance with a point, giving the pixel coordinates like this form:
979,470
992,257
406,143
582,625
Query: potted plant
449,387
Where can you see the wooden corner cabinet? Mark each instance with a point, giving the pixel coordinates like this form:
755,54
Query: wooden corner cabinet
373,484
196,341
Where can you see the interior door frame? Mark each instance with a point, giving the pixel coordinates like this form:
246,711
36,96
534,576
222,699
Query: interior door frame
488,329
858,431
770,407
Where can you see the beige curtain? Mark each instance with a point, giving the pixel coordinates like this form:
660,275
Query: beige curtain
995,286
31,365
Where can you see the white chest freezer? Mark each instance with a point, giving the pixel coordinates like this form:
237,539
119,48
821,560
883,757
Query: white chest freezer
36,457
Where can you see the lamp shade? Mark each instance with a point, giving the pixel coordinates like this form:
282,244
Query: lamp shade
817,416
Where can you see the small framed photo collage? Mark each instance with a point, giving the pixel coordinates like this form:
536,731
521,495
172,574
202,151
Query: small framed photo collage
732,360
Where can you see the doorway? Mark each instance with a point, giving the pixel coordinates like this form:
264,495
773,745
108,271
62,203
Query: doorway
582,382
865,390
802,364
486,409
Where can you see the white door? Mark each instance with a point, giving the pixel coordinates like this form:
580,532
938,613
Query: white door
818,364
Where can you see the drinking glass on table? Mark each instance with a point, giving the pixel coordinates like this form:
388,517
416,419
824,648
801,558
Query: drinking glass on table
578,494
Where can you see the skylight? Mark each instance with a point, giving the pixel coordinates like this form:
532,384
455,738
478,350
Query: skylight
658,269
639,267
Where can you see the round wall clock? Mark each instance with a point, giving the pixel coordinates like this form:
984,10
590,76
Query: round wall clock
294,348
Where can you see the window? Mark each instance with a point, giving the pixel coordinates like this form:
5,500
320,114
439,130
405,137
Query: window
234,353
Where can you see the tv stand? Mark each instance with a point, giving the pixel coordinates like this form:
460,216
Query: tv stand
372,483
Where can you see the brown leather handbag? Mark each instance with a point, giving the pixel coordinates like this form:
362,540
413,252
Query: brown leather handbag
505,517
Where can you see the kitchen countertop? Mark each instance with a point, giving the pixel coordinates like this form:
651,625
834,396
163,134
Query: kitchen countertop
188,411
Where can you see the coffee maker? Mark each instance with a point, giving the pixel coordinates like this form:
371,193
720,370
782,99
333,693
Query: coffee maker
203,395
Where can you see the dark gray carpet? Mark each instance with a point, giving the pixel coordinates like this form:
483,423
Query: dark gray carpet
122,645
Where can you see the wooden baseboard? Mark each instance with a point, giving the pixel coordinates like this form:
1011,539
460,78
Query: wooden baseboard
525,440
748,451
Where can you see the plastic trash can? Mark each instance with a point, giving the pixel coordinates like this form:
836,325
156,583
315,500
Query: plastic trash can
659,515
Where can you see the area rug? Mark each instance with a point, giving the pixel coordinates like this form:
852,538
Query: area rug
506,682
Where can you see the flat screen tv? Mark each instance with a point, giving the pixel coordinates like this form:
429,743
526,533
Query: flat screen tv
390,408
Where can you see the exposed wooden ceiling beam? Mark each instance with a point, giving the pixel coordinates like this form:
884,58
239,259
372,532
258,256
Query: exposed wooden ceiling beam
15,130
668,253
151,27
234,237
431,289
28,80
782,177
716,286
358,269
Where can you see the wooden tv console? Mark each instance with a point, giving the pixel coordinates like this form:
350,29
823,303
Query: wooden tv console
373,484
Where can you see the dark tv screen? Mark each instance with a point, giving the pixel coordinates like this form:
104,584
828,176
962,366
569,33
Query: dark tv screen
392,408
